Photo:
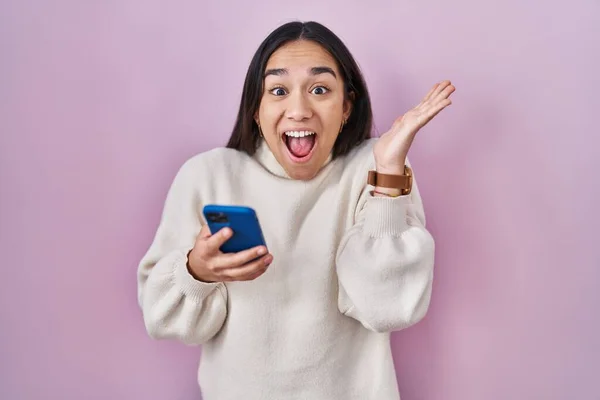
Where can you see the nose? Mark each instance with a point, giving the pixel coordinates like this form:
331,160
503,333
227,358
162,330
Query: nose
298,108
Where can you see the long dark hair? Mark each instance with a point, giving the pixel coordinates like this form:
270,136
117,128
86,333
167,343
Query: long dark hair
245,135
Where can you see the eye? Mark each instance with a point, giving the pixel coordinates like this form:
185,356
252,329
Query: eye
320,90
278,91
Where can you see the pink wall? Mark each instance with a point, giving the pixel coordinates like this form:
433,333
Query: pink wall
100,102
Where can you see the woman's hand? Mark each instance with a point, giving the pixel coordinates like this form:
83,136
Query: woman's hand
391,149
207,263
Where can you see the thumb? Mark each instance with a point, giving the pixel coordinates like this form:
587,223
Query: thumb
215,241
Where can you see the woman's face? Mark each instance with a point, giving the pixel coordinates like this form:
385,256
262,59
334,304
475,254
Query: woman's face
302,107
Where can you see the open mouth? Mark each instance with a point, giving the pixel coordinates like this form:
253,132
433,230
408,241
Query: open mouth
300,144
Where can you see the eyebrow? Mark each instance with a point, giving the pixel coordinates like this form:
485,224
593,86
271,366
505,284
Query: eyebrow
313,71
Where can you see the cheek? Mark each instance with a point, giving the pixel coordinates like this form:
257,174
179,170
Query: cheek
269,113
269,119
331,116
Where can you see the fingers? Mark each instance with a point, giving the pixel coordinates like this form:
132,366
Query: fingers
439,91
438,99
209,264
445,92
247,272
239,259
214,242
429,110
428,95
242,266
435,110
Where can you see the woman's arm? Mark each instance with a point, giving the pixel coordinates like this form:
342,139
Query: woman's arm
385,263
174,304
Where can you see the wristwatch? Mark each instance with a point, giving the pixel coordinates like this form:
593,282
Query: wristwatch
401,182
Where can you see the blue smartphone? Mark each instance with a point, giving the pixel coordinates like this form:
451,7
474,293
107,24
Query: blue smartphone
242,220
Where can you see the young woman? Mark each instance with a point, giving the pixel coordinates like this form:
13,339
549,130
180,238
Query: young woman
349,259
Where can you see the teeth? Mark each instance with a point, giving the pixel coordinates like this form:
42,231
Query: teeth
299,133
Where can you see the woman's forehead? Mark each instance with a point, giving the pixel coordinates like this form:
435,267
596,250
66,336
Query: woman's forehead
300,56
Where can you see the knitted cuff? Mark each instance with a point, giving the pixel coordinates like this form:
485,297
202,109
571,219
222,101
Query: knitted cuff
188,284
386,216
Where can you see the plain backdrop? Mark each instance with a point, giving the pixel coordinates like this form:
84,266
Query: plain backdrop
101,102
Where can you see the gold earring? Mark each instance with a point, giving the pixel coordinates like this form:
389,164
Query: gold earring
259,130
342,126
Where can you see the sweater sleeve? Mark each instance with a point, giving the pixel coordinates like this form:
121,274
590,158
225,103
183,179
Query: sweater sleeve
174,304
385,263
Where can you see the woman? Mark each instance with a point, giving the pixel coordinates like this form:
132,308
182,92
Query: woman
348,261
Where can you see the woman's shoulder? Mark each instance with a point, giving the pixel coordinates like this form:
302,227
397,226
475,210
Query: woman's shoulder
211,167
216,159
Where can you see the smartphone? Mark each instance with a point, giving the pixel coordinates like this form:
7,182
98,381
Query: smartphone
242,220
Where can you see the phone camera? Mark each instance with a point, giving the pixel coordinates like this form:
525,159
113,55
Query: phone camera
217,217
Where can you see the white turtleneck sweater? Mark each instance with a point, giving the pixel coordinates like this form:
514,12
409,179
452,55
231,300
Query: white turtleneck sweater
348,269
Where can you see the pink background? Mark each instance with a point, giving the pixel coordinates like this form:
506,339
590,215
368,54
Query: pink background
100,102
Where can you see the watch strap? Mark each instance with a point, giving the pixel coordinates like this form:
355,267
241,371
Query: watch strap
401,182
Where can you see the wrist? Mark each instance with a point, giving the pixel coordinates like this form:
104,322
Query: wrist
391,180
386,192
396,169
192,272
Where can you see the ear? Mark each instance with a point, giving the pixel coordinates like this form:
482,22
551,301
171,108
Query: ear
349,105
